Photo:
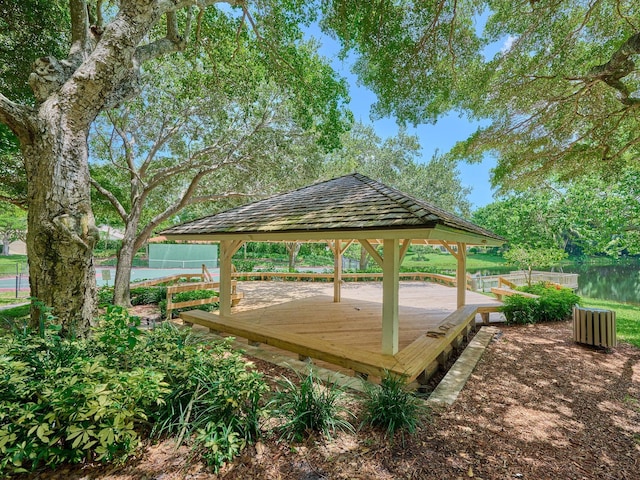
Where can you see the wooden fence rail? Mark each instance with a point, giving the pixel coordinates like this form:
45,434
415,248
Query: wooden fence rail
188,287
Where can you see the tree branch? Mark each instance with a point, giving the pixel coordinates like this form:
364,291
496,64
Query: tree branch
111,197
620,65
80,33
17,117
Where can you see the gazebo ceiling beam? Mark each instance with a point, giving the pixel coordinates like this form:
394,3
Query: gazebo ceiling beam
433,235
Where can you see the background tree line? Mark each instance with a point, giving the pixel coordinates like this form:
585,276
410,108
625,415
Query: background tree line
559,101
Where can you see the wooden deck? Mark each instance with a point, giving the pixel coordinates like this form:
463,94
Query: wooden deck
302,318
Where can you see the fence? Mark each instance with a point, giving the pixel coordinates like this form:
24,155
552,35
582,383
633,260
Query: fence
519,278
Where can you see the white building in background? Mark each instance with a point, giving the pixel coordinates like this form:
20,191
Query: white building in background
16,248
107,232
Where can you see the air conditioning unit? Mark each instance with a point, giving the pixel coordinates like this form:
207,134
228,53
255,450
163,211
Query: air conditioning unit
593,326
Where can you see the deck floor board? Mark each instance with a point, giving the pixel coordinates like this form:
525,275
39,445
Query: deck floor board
306,311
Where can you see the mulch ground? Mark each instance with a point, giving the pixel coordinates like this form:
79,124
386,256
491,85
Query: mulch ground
538,406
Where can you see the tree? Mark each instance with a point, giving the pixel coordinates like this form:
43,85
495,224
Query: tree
394,161
187,140
106,45
561,94
528,258
13,225
529,218
591,215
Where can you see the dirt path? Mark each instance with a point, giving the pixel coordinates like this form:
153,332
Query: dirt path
537,407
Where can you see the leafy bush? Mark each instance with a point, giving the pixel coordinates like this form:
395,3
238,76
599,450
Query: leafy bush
79,400
148,295
391,406
520,310
59,404
244,265
105,296
309,407
553,305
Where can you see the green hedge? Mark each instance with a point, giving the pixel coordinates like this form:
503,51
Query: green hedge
552,305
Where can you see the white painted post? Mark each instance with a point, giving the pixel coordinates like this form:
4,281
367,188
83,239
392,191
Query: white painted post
225,277
461,274
390,296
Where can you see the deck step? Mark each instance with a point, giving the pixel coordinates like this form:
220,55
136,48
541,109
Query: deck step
454,381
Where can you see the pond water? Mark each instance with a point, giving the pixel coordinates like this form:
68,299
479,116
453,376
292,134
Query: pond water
620,283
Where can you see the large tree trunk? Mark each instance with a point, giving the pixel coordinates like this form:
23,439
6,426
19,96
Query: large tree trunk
121,290
61,229
5,244
293,248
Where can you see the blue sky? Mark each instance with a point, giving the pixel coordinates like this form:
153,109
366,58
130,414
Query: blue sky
439,137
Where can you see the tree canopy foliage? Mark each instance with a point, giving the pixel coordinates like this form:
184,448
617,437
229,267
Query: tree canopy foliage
396,161
562,94
590,216
193,136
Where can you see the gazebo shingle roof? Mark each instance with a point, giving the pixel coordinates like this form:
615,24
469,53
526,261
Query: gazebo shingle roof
348,203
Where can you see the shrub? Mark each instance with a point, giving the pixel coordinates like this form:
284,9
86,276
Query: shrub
391,406
105,296
61,405
553,305
148,295
72,400
244,265
309,407
520,310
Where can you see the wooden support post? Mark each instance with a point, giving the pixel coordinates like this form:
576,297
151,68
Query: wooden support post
225,278
227,249
428,372
337,270
390,296
461,274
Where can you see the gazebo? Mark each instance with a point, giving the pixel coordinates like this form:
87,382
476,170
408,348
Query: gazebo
340,211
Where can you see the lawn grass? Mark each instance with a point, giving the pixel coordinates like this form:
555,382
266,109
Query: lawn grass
627,318
444,261
8,264
9,298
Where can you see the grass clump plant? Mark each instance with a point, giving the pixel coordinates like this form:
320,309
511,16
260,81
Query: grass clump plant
309,407
391,407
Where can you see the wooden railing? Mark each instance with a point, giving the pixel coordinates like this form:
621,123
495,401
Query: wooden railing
519,278
189,287
297,276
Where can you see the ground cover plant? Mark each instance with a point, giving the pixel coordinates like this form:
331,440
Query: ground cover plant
72,400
